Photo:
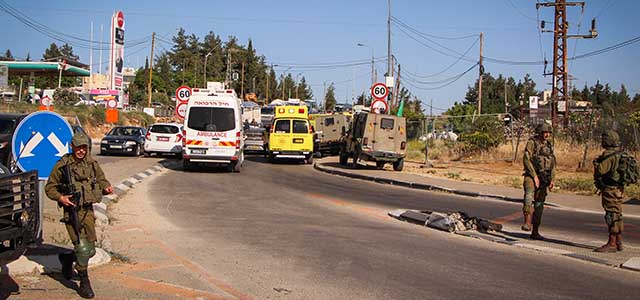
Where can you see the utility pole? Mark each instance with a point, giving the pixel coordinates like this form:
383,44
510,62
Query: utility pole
397,89
101,34
91,58
560,73
506,104
480,71
389,41
153,43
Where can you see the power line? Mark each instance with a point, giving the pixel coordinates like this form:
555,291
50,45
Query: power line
431,35
448,67
456,78
521,13
434,49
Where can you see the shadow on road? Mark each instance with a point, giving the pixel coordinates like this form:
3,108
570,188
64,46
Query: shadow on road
525,236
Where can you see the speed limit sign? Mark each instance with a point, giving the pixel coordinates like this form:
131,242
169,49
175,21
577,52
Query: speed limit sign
183,93
379,91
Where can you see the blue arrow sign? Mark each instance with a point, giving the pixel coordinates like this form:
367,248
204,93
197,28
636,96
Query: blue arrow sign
39,141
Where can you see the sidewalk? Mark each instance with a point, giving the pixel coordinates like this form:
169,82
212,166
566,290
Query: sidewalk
44,259
589,204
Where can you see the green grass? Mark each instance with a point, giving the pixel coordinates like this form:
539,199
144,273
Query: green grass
632,191
576,184
513,181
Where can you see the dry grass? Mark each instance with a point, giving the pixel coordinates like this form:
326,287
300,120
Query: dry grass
494,167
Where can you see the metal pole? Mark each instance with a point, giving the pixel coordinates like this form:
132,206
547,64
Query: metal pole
205,71
480,75
389,41
20,91
153,43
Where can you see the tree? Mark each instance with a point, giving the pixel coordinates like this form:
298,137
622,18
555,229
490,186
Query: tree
8,56
330,98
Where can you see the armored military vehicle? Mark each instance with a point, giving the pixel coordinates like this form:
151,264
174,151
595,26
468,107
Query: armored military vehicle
375,137
329,129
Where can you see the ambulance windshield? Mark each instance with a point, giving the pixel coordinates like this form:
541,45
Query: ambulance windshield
211,119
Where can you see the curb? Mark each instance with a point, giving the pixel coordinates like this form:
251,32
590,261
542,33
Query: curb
417,217
437,188
45,259
421,186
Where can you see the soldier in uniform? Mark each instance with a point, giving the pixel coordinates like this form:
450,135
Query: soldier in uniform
539,173
89,179
610,191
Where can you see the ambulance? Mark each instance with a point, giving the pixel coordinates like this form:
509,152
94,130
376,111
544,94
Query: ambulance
213,132
291,135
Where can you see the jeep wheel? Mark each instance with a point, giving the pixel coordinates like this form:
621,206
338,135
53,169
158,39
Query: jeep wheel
309,159
147,154
398,164
379,165
344,157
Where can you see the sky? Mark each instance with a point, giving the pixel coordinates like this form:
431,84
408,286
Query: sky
435,42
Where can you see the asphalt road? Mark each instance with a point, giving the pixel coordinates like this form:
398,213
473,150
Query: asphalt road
288,231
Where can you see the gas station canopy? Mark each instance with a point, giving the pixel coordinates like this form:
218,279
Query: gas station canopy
43,68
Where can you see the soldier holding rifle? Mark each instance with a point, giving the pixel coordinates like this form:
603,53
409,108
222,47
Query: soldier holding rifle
76,182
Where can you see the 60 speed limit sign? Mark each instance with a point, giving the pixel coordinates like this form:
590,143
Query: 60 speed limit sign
379,91
183,93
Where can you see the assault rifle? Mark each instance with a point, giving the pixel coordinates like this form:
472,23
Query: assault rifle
68,188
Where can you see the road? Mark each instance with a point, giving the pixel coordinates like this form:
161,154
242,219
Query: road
285,229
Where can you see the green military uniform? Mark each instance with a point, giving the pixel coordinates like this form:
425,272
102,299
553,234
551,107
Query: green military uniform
539,160
89,180
610,191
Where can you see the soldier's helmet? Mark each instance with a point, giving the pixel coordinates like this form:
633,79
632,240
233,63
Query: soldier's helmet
544,127
610,139
80,139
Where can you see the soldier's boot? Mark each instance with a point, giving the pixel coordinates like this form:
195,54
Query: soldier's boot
66,260
526,226
610,246
535,235
619,245
85,290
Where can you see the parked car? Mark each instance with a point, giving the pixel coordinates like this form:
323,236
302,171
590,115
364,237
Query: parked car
8,124
123,140
164,138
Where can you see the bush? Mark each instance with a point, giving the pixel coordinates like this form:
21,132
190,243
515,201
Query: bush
98,116
478,141
576,184
65,97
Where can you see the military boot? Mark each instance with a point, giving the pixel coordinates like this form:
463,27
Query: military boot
85,290
526,226
66,260
535,235
619,245
610,246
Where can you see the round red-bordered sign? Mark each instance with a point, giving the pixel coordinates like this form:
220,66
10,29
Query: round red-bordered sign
181,110
183,93
45,100
379,91
112,103
379,106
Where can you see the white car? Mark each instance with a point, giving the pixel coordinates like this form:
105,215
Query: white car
164,138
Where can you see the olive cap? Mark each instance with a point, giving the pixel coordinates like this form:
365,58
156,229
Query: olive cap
80,139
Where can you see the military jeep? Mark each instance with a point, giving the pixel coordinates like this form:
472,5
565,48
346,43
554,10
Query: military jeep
329,130
19,213
375,137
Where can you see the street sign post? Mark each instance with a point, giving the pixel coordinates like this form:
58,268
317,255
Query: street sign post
379,91
39,141
183,93
379,106
181,110
112,103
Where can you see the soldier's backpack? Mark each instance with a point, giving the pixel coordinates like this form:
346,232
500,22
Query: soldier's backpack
627,171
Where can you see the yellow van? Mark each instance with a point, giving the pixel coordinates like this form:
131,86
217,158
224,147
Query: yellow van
291,135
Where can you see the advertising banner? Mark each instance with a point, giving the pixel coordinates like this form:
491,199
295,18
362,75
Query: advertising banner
116,62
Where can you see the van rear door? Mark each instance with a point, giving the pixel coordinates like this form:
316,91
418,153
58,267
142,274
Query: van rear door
215,127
